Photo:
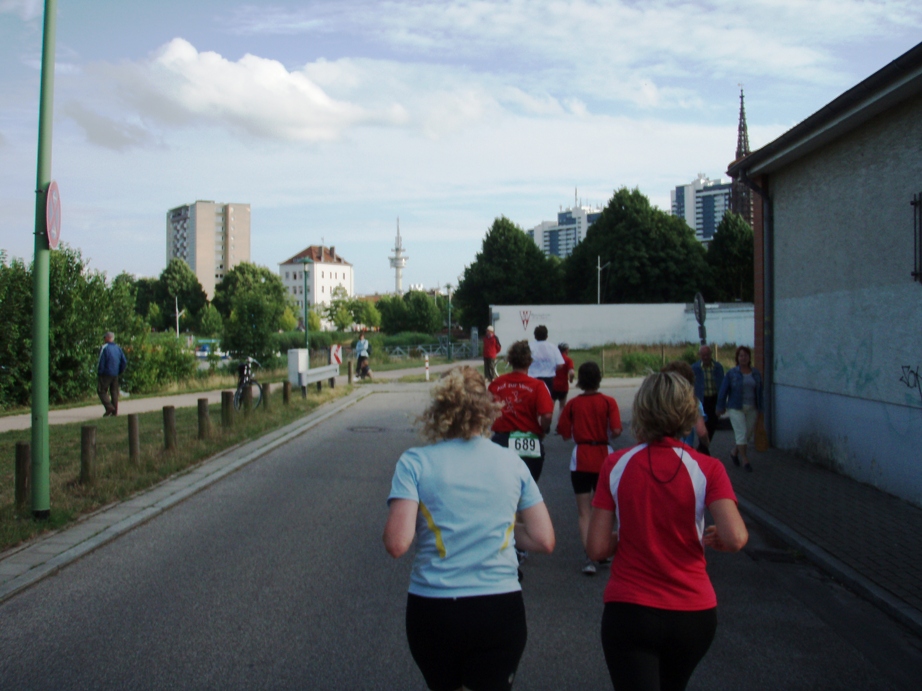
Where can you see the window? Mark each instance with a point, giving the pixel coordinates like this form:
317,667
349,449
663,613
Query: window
917,235
286,275
323,289
323,274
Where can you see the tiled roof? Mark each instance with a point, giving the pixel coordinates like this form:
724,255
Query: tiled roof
318,255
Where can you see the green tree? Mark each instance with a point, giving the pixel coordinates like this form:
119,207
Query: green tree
730,256
252,325
288,321
180,286
654,256
510,269
313,320
210,322
393,314
365,312
248,277
423,316
339,310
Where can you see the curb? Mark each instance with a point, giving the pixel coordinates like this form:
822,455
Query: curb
214,469
870,591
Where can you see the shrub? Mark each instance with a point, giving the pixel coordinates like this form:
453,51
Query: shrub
690,354
641,363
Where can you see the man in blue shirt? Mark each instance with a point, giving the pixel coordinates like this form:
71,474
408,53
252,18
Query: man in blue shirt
112,362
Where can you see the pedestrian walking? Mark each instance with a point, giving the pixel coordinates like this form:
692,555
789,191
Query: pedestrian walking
527,409
112,362
741,395
592,419
362,352
660,612
465,617
545,356
491,348
563,377
698,437
709,375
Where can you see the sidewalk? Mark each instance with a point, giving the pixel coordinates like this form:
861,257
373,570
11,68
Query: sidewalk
866,538
126,406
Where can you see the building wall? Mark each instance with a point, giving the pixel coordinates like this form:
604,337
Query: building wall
584,326
211,238
322,278
848,346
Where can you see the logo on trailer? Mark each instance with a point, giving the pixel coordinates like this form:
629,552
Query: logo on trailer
336,355
526,316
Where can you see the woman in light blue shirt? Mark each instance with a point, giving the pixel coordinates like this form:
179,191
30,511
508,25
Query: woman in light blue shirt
460,498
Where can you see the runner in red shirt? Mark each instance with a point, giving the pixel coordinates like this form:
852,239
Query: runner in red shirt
660,609
591,419
527,409
491,348
564,377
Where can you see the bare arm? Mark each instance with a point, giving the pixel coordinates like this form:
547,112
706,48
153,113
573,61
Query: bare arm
702,431
400,528
536,532
728,534
545,422
602,540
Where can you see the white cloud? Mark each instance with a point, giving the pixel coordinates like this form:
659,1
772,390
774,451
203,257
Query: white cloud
25,9
254,95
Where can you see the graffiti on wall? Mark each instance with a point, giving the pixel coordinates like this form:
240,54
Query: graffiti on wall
912,379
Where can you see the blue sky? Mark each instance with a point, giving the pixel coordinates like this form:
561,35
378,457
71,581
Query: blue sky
334,118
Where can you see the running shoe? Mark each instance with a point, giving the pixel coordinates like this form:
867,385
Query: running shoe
589,567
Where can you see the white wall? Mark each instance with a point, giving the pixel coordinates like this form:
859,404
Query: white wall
584,326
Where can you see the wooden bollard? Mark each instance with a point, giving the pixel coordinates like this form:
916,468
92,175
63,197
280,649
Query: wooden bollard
332,382
204,422
286,392
134,439
23,470
267,391
247,399
227,409
169,428
87,454
349,372
319,386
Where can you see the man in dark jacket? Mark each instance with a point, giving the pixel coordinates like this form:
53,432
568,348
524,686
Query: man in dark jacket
112,362
709,375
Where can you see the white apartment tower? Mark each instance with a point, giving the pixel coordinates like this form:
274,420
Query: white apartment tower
210,237
558,238
702,203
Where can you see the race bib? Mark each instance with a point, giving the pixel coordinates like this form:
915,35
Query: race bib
525,444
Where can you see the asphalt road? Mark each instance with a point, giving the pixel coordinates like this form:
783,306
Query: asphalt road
276,578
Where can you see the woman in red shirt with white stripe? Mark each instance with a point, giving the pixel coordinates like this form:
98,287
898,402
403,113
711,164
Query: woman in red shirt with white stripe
648,515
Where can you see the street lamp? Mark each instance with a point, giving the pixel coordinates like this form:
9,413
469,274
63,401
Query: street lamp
450,353
598,286
307,341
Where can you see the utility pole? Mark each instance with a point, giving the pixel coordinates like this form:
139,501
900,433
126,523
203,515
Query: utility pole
41,272
598,286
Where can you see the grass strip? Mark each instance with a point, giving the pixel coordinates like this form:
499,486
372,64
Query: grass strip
116,480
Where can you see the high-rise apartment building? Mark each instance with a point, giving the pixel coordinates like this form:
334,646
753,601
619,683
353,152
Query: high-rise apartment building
558,238
702,204
210,237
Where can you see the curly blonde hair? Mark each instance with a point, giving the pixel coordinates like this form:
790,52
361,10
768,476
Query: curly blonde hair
664,406
461,407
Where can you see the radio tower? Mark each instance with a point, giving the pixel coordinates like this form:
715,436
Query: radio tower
740,194
398,261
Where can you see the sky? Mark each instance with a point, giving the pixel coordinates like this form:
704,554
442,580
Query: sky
333,119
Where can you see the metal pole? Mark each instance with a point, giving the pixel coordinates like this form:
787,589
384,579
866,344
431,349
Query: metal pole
41,271
448,286
307,340
598,280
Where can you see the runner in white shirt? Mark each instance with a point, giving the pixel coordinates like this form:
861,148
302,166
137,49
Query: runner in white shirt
545,357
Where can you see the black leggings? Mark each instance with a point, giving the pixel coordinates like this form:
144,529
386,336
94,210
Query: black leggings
475,642
649,649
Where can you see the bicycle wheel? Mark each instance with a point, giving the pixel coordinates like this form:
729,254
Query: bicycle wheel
257,393
238,398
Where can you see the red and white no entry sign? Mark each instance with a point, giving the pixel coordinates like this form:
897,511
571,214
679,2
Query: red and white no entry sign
53,215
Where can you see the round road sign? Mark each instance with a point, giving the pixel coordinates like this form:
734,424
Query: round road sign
53,215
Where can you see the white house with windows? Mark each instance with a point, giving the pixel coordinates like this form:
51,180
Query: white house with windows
313,274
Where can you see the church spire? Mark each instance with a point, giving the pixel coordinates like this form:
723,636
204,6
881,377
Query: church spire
740,194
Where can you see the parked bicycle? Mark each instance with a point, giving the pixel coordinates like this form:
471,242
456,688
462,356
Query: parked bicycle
244,379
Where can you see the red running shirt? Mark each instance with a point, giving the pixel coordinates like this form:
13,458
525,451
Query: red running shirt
562,377
587,419
490,345
524,399
658,493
